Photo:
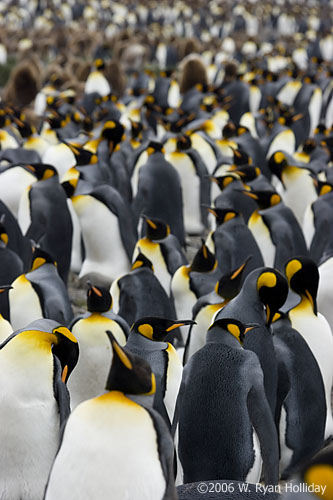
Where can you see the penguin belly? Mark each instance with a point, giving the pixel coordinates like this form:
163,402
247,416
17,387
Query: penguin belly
24,304
135,175
308,226
105,254
283,141
190,183
300,192
5,328
110,447
152,250
263,238
173,380
184,298
317,333
253,476
203,321
286,453
89,377
324,297
23,214
13,182
205,150
60,157
30,440
76,256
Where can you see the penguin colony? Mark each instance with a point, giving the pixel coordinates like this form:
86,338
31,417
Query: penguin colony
177,160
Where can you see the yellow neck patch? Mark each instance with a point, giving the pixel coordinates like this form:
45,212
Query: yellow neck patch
279,157
38,262
65,332
234,330
292,267
4,238
146,330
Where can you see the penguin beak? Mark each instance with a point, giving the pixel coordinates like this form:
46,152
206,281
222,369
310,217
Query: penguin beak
248,193
251,327
179,324
4,288
240,269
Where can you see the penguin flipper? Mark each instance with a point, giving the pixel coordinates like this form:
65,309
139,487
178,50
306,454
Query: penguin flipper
166,453
61,393
262,420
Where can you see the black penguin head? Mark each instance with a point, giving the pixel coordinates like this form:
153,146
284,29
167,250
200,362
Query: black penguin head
142,261
322,187
241,157
113,132
41,257
98,299
230,284
157,329
303,278
156,229
234,327
82,156
66,348
265,199
184,142
204,260
277,163
273,290
155,147
42,171
222,215
319,472
247,173
25,129
136,129
229,130
129,373
99,64
224,180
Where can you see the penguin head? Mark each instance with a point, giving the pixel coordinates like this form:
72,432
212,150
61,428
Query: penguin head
70,181
98,299
155,147
129,373
66,348
277,163
229,130
322,187
230,284
25,129
40,257
82,156
223,215
234,327
42,171
99,64
142,261
273,290
155,328
113,132
156,229
241,157
319,472
303,278
136,129
224,180
247,173
204,260
265,199
184,142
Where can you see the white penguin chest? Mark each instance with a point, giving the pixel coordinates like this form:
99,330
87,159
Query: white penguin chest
263,238
110,448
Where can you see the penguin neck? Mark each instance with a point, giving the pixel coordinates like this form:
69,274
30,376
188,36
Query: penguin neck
219,336
304,306
255,217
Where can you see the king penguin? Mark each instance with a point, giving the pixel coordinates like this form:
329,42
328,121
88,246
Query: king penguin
223,411
263,293
5,327
130,443
208,305
163,250
301,424
108,233
232,242
147,339
44,216
303,277
40,293
35,365
89,376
